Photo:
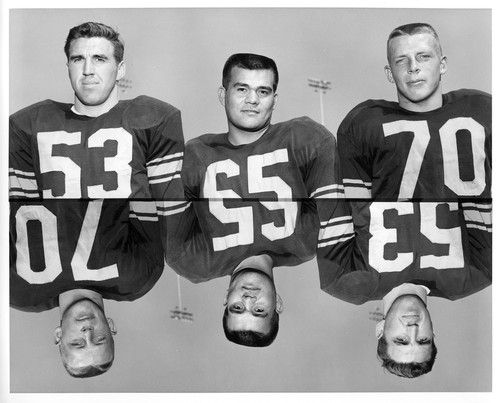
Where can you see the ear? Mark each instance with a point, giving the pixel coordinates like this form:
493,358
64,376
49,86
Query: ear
122,68
279,304
275,101
388,74
57,335
379,329
112,326
224,302
444,65
221,93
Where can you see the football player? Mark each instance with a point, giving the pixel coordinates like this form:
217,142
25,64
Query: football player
253,190
418,176
83,182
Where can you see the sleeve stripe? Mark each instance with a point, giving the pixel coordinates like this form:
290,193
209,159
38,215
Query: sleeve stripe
164,179
334,241
357,189
23,193
335,220
339,230
334,190
167,208
479,217
479,226
166,159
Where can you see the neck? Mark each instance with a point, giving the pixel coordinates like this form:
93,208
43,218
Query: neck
238,137
97,110
434,102
404,289
69,297
262,263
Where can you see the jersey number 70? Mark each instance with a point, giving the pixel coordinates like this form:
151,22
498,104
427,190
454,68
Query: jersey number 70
449,148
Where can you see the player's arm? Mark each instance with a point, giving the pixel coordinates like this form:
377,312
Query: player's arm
22,179
165,157
355,161
478,222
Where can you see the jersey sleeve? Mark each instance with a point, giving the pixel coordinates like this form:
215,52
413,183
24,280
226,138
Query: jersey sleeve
355,160
165,158
22,179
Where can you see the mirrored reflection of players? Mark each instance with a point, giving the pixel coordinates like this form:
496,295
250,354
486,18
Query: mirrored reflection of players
251,189
418,176
76,236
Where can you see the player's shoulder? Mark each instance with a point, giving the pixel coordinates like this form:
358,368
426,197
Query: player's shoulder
467,94
45,110
302,126
207,140
35,108
369,108
153,105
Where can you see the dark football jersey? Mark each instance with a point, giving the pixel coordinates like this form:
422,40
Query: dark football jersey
103,245
389,153
256,198
131,157
444,246
442,157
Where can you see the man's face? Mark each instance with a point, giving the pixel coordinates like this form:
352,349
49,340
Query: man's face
416,66
251,302
408,330
85,335
249,99
93,70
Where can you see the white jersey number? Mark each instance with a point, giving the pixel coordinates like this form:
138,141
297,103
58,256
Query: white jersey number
53,266
120,163
257,183
382,236
449,147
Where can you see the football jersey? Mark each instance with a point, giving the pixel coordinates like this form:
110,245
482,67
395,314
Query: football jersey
444,246
131,154
134,150
255,198
102,245
389,153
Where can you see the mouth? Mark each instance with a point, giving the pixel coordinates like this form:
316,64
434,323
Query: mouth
250,288
85,316
250,111
415,82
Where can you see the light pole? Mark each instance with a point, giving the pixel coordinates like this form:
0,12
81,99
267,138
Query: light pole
320,86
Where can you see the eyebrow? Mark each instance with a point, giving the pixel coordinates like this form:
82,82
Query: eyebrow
265,87
101,56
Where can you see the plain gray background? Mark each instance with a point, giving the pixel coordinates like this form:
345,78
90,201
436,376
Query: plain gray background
324,344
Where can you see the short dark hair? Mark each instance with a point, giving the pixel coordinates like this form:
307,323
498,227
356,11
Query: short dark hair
249,61
250,338
96,30
408,369
413,29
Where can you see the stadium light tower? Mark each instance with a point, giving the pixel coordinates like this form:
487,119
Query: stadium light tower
320,86
180,313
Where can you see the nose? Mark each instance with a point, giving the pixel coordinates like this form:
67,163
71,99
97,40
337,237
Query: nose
88,68
87,328
413,66
411,320
248,295
252,97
